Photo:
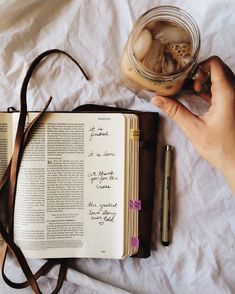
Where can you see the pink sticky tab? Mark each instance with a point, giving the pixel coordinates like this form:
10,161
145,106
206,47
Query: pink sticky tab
135,242
135,204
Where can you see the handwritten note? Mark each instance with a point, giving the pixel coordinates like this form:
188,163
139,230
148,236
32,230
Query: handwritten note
102,213
104,176
97,132
101,154
102,179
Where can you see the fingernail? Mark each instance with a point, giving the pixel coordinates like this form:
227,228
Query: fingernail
158,101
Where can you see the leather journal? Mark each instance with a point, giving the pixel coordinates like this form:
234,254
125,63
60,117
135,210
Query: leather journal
121,164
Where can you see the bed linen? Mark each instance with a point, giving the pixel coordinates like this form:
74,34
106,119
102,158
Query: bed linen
201,258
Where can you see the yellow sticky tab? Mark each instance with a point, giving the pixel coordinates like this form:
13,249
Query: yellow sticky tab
134,134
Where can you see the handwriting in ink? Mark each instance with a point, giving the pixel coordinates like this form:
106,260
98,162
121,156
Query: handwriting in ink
102,213
91,154
92,204
97,132
102,179
101,154
106,154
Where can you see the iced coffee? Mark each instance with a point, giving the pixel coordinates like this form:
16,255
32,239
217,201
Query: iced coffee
159,54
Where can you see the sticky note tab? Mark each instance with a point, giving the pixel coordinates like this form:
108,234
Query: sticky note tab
134,134
135,204
135,242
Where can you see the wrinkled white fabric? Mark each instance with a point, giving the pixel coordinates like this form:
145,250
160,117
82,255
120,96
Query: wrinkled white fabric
201,258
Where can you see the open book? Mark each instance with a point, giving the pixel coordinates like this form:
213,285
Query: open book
77,189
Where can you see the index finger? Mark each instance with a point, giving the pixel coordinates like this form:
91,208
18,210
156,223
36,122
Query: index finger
219,71
222,84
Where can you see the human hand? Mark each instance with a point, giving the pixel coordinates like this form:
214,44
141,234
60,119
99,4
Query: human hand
213,133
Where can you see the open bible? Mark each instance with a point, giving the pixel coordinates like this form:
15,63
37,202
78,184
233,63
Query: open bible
77,189
75,184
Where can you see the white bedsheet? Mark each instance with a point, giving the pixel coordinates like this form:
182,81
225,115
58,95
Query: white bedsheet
201,258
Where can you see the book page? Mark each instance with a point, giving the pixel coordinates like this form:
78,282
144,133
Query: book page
104,186
5,154
5,141
70,189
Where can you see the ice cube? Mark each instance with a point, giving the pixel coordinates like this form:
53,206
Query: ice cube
142,44
156,25
168,64
172,34
153,58
185,60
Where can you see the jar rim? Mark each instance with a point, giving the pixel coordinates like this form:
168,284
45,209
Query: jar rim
180,17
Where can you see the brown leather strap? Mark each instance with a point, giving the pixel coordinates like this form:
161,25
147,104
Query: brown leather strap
11,177
6,176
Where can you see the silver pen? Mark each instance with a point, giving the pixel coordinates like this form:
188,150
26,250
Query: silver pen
166,192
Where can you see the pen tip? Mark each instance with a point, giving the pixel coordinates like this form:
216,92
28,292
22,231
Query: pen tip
168,148
165,243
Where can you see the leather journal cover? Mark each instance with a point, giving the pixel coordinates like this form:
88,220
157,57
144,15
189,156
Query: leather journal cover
148,125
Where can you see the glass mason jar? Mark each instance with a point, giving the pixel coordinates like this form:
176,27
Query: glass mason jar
140,78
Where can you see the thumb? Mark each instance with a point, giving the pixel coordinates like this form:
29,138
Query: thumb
186,120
